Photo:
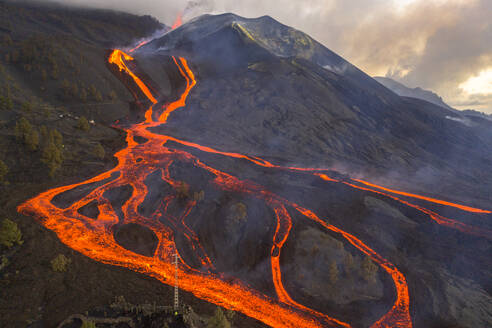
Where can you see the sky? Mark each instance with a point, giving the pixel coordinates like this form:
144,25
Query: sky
441,45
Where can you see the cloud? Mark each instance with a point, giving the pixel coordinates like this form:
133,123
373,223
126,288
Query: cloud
478,102
434,44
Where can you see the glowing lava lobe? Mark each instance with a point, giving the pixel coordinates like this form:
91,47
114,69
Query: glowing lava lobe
190,83
120,58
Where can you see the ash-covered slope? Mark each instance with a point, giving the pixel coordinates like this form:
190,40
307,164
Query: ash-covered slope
235,40
419,93
469,116
267,89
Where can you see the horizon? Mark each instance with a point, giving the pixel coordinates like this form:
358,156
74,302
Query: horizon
448,54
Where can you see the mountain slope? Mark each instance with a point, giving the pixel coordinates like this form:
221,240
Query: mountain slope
405,91
252,101
53,71
287,246
295,100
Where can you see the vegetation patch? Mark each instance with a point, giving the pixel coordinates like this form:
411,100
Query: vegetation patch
60,263
10,234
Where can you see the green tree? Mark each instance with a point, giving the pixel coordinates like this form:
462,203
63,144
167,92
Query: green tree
43,131
83,124
95,94
230,314
57,138
199,196
98,151
65,86
22,129
52,155
98,96
348,263
74,90
333,272
83,94
6,102
26,134
183,190
112,96
60,263
46,110
4,262
32,140
369,269
4,170
26,107
10,234
88,324
219,320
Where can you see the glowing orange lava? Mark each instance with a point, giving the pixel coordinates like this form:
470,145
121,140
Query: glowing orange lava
439,219
432,200
179,20
120,58
139,45
94,238
181,102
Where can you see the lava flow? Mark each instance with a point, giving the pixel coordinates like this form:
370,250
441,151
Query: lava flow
454,224
94,237
432,200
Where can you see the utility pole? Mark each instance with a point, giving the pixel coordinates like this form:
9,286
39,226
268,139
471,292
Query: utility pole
176,287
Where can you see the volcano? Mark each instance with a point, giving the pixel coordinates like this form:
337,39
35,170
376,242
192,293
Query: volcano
295,100
295,188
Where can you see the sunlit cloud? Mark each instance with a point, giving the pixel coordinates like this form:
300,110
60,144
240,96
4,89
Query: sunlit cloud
479,84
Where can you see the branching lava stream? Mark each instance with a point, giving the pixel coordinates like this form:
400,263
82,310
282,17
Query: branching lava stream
94,238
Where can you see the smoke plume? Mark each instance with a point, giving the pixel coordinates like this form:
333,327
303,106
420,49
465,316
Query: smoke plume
434,44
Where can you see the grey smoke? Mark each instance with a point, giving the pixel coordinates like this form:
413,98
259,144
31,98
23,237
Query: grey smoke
464,121
438,44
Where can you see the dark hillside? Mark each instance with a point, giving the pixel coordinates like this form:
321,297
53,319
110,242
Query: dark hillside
58,100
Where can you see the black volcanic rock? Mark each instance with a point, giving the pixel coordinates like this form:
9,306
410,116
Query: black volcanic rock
90,210
273,91
136,238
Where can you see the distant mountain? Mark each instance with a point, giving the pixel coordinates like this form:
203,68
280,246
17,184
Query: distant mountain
476,114
404,91
427,95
